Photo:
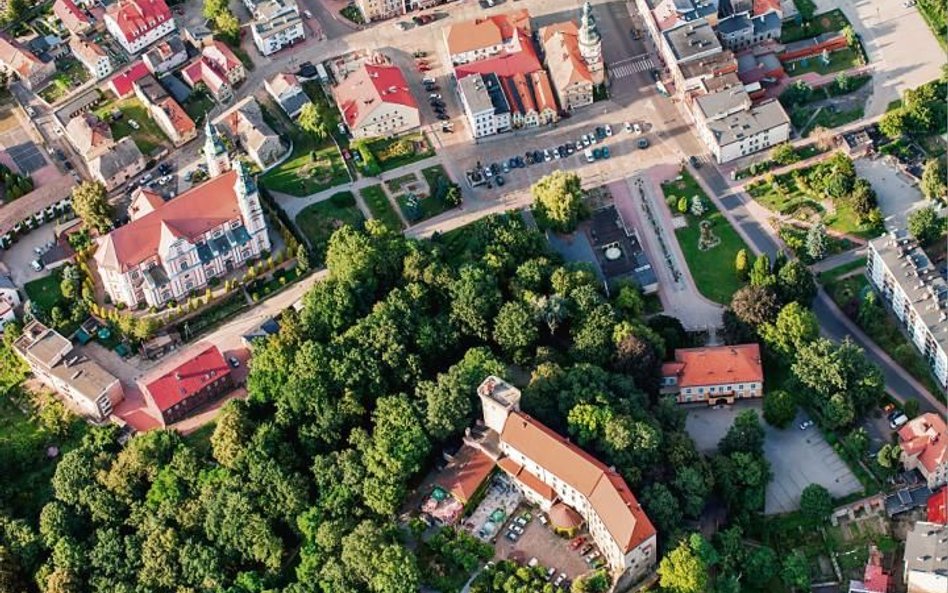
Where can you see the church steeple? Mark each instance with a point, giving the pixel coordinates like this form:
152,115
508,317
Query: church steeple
590,41
215,152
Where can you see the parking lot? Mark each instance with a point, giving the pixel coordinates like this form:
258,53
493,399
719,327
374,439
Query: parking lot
797,457
550,550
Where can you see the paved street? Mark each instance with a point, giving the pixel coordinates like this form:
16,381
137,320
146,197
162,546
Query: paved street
898,196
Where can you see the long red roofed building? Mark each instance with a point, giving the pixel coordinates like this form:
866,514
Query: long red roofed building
136,24
175,392
375,101
714,374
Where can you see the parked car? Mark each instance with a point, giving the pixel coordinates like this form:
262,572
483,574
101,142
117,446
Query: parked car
605,152
898,421
694,162
549,573
234,363
628,127
643,143
608,129
37,265
30,111
637,128
134,124
500,180
806,424
512,536
307,14
590,157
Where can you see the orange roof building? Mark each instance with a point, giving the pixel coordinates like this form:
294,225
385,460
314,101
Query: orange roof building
714,374
466,473
924,442
570,75
569,484
481,38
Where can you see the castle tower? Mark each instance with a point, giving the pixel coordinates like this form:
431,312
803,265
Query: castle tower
498,399
248,200
215,153
590,43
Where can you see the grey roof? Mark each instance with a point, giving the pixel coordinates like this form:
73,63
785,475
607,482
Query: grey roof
150,88
766,61
293,103
690,39
807,43
734,23
749,122
926,548
906,499
276,25
118,158
708,66
175,87
6,282
767,23
723,103
891,249
475,93
175,44
497,97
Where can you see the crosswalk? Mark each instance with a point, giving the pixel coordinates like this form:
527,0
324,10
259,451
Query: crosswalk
628,67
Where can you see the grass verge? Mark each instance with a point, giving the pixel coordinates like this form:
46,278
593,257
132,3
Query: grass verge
318,221
380,207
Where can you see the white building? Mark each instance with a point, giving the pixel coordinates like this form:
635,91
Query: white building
568,483
925,568
92,56
170,250
732,126
91,389
375,100
485,105
276,24
916,293
136,24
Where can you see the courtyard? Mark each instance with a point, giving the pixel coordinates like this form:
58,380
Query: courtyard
797,457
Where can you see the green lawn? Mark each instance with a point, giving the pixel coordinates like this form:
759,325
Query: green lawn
400,182
393,153
933,11
380,207
843,59
197,106
883,328
318,221
45,292
712,269
834,20
832,275
70,74
833,119
795,240
310,169
433,204
148,137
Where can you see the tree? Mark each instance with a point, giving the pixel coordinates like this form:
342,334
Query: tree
638,357
780,408
475,300
90,202
889,455
213,7
816,504
934,185
894,123
816,241
742,265
231,433
594,582
760,567
69,285
693,486
558,200
228,26
683,205
515,330
760,274
15,10
823,138
449,400
794,328
682,571
863,199
851,38
910,408
795,571
745,435
311,120
784,154
302,257
697,206
925,225
795,283
662,507
755,305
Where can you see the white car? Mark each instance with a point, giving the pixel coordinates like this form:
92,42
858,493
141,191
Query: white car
30,111
608,130
628,127
428,80
36,265
589,156
134,124
637,128
898,421
806,424
307,14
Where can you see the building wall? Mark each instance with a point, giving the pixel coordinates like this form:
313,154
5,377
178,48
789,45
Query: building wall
211,392
134,46
270,42
713,392
388,119
474,55
172,62
375,10
926,582
576,95
745,146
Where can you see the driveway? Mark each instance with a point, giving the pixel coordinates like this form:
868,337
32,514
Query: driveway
797,458
898,195
16,260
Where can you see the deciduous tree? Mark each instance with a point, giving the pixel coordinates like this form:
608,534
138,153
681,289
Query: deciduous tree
682,571
816,504
90,202
780,408
925,225
558,200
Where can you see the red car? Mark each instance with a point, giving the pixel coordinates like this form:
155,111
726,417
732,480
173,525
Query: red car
577,542
424,67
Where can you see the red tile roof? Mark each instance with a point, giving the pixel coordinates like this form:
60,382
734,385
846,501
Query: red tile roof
874,579
504,65
123,84
716,365
485,32
187,379
938,507
765,6
607,492
16,57
465,474
190,215
136,17
182,122
926,437
564,517
221,55
369,86
72,17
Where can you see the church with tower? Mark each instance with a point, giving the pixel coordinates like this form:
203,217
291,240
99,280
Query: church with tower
574,59
173,249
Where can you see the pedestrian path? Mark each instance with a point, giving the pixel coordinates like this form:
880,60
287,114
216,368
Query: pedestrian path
630,66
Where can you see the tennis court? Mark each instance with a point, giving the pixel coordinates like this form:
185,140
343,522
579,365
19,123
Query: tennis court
27,157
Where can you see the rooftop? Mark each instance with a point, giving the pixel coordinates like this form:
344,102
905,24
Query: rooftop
918,278
738,125
926,548
485,32
926,437
187,379
368,87
475,93
716,365
691,39
465,473
136,17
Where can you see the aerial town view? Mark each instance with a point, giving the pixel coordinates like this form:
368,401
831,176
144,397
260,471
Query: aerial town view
473,296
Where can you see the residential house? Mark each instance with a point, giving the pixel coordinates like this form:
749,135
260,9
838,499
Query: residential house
166,55
689,42
874,579
569,484
245,125
714,374
276,24
173,393
218,69
119,164
375,100
481,38
123,83
523,107
543,95
165,111
91,55
170,250
377,10
136,24
9,301
20,62
74,19
916,292
925,564
485,105
89,135
733,126
91,389
742,30
198,35
287,91
924,443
